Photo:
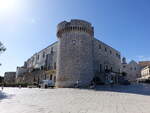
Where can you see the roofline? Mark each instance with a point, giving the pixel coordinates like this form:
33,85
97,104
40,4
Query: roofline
108,45
42,50
47,47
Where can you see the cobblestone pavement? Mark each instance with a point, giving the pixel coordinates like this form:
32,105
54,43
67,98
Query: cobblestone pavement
119,99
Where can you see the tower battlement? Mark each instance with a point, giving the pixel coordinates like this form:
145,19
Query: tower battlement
74,25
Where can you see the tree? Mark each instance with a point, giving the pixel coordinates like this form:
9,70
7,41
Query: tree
2,49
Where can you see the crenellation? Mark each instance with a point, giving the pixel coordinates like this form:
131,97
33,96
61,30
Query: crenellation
74,25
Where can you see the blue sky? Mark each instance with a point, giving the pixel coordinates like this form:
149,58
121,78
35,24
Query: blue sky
27,26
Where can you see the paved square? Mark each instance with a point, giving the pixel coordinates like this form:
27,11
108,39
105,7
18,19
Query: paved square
119,99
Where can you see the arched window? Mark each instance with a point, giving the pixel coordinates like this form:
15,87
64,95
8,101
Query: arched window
55,65
51,77
54,78
100,46
106,68
105,49
111,69
51,50
43,54
100,67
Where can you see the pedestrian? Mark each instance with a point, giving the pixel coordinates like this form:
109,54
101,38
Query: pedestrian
19,86
77,84
92,85
2,87
111,83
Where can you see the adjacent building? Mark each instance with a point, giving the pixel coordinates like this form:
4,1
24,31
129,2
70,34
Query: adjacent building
144,64
145,73
131,70
10,77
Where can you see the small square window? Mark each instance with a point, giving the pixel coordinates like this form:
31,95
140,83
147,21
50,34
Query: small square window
51,50
100,46
38,57
73,42
110,52
43,54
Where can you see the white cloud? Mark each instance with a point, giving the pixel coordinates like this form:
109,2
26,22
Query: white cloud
32,20
143,58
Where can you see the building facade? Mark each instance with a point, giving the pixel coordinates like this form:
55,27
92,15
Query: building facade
144,64
10,77
145,73
132,70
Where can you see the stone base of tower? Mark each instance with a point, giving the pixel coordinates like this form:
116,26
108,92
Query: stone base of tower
71,84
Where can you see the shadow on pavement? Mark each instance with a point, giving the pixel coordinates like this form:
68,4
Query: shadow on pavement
141,89
4,96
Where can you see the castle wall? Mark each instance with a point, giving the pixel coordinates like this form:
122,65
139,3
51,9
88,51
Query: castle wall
105,57
38,60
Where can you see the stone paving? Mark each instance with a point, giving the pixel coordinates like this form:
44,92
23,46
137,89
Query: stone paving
118,99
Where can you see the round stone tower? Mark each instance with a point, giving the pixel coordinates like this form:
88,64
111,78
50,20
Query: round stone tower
74,57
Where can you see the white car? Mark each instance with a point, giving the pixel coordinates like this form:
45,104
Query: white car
46,84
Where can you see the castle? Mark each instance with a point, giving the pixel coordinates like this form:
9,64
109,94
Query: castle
76,56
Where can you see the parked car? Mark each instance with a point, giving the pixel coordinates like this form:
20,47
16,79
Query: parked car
46,84
125,82
34,85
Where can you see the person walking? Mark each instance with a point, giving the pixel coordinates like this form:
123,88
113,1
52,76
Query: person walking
92,86
111,83
2,87
77,84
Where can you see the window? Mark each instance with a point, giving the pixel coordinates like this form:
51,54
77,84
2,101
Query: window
38,57
42,67
106,68
51,77
43,54
73,42
110,52
33,59
100,46
100,67
119,56
111,69
105,49
55,65
52,50
55,79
